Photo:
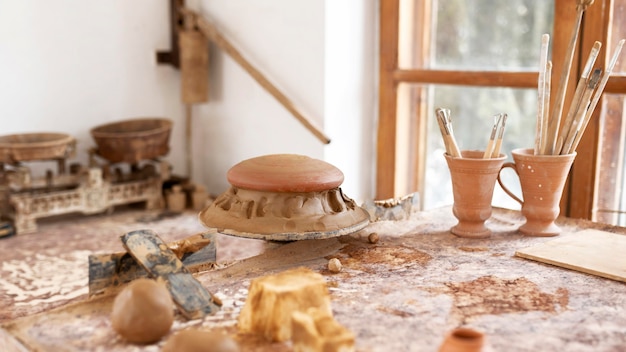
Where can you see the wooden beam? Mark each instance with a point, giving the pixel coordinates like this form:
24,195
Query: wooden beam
468,78
211,32
584,176
387,104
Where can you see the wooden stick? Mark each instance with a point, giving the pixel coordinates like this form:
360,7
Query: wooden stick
188,144
555,117
541,91
209,30
546,106
581,87
598,94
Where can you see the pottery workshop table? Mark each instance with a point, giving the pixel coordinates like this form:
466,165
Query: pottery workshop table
402,293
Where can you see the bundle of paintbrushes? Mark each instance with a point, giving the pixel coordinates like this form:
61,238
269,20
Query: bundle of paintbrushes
447,132
554,137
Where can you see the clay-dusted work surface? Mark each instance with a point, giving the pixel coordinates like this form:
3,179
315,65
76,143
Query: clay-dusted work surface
403,293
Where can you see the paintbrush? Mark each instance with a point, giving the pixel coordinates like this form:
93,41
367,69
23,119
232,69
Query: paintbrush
580,113
541,91
598,94
555,117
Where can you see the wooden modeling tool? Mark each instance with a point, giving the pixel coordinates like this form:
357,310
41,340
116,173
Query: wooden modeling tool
149,250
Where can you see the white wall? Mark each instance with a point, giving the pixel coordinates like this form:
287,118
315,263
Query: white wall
69,66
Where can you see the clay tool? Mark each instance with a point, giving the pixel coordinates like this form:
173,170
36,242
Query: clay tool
192,299
578,95
555,117
598,93
107,272
498,146
492,137
541,92
445,124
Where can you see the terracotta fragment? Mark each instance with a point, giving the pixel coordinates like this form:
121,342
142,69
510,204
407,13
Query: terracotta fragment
272,300
143,312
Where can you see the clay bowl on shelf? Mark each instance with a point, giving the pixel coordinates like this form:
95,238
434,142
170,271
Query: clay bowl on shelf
133,140
284,197
35,146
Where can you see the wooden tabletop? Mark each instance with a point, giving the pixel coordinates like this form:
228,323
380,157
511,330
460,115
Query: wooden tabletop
403,293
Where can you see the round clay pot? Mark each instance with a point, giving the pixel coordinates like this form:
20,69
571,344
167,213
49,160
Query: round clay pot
463,340
285,173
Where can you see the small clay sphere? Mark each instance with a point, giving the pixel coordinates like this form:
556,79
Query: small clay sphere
143,311
334,265
191,340
373,237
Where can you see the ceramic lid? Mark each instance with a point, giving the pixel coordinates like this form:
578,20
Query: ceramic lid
285,173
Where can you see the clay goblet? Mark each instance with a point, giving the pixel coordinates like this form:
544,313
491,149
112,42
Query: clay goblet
473,182
542,178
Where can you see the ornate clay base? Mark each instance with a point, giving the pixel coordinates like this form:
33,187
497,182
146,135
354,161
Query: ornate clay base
284,197
280,216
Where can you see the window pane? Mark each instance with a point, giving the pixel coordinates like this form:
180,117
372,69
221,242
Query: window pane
618,31
472,110
490,35
611,198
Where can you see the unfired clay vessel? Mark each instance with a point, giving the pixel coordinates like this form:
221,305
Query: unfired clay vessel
463,340
542,178
473,182
284,197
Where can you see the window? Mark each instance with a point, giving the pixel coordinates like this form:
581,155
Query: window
480,58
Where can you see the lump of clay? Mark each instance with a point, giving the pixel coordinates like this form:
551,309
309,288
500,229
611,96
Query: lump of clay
272,300
192,340
318,331
143,311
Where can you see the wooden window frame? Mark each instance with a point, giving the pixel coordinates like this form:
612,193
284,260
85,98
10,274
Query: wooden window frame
583,178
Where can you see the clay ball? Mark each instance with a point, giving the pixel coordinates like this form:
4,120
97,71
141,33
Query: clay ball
143,311
192,340
373,237
334,265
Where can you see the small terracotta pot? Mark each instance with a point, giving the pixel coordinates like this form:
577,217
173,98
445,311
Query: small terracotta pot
473,182
542,178
463,340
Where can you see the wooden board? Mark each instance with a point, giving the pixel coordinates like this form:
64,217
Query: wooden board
591,251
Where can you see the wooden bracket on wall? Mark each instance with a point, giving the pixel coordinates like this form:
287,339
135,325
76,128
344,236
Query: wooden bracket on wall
172,56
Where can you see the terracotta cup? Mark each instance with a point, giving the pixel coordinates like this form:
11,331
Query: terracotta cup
542,178
473,181
463,340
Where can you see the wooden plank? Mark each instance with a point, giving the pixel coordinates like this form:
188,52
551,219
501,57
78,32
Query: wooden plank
469,78
590,251
107,272
149,250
